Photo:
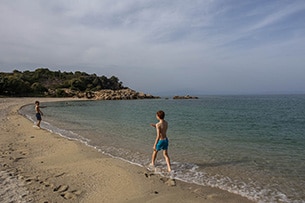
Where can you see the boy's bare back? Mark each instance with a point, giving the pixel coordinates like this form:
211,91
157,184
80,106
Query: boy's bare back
161,129
37,108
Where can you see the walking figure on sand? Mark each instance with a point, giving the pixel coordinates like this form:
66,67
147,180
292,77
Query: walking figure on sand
38,113
161,142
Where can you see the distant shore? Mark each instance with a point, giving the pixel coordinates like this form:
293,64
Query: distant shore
38,166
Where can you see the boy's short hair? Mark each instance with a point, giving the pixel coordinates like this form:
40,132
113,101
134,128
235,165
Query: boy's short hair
161,114
36,102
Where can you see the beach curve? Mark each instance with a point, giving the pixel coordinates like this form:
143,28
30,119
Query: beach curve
44,167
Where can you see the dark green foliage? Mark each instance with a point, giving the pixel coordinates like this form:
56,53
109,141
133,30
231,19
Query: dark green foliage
38,88
43,82
60,93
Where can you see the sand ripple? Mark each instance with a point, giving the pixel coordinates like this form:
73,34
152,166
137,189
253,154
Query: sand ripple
11,189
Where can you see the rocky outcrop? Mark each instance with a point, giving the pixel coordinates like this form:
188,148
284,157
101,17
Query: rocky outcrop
185,97
122,94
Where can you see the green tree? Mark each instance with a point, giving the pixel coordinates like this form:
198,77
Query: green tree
78,84
115,84
38,88
16,86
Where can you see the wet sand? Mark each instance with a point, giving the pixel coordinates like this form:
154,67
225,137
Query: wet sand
38,166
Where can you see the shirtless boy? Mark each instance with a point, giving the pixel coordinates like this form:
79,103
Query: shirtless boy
38,113
161,142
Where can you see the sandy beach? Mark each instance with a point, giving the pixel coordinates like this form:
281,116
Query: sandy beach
38,166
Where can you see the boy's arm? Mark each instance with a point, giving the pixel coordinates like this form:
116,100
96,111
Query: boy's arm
157,137
40,111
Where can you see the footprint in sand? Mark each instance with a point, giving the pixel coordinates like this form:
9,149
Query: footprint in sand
149,174
168,181
61,188
24,153
63,191
68,195
71,195
18,158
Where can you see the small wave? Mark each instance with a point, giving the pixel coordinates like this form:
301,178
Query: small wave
191,173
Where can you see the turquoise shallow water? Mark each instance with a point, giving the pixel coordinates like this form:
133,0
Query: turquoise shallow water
249,145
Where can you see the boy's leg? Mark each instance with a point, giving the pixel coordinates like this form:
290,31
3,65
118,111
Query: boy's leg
38,123
167,159
153,157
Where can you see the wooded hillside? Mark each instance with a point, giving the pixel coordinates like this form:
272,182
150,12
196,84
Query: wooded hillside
43,82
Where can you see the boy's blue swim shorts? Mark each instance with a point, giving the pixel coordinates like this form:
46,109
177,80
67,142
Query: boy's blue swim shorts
38,116
162,144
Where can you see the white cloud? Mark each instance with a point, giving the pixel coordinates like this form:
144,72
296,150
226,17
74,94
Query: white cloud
281,12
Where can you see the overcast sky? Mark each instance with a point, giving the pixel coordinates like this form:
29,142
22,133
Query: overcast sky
162,46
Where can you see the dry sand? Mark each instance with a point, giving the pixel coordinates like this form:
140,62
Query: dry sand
38,166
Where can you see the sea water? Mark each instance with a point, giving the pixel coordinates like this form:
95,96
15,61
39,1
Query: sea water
253,146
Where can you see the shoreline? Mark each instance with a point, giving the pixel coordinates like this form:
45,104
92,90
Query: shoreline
45,167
